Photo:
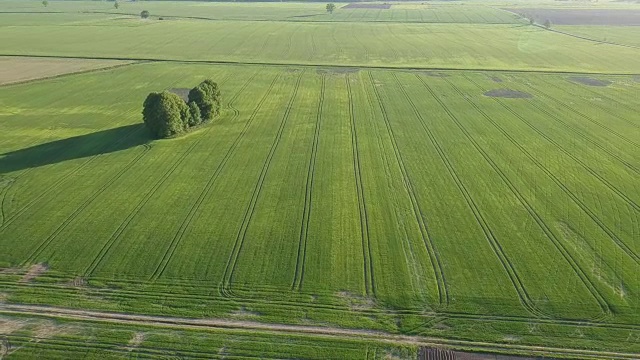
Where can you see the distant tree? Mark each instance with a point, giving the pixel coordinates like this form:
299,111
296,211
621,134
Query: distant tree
144,14
163,114
116,5
207,97
547,24
331,7
45,3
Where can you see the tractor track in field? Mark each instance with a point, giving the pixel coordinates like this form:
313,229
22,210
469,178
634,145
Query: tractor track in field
595,174
115,236
506,263
248,216
369,279
168,255
63,225
586,280
609,100
584,136
66,346
434,257
619,242
128,295
586,117
304,228
249,327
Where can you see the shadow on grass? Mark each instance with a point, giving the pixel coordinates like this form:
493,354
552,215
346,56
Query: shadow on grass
77,147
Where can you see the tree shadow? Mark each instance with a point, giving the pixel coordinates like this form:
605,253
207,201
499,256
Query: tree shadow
77,147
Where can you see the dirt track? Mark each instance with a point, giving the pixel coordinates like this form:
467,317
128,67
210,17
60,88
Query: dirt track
281,329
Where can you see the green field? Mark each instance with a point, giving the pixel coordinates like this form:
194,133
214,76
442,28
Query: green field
358,178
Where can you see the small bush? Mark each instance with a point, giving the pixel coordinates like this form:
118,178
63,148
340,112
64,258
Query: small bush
144,14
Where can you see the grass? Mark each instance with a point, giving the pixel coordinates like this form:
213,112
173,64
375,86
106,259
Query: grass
404,45
400,200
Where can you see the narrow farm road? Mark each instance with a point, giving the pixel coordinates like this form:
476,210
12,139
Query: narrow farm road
205,324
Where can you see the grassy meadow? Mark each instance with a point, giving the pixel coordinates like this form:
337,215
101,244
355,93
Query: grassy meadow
357,178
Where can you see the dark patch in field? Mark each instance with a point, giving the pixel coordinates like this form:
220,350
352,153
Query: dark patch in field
636,78
182,92
337,71
590,81
508,93
367,6
426,353
620,17
495,79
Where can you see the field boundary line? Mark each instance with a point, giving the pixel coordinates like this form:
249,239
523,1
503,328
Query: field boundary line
566,254
219,324
304,227
257,190
327,65
434,258
621,244
369,282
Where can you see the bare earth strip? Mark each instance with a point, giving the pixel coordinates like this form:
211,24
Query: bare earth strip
20,69
212,324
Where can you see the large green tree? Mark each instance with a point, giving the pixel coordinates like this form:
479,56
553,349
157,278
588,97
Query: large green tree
207,97
165,114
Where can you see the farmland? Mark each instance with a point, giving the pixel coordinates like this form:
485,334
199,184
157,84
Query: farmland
374,184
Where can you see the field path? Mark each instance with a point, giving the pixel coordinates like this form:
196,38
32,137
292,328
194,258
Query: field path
213,324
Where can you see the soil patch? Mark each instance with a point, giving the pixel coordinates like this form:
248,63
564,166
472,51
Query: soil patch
590,81
356,302
243,312
367,6
495,79
34,271
427,353
508,93
21,69
619,17
636,78
182,92
337,71
135,341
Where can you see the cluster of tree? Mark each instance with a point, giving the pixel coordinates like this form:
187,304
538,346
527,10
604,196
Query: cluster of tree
166,114
144,14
